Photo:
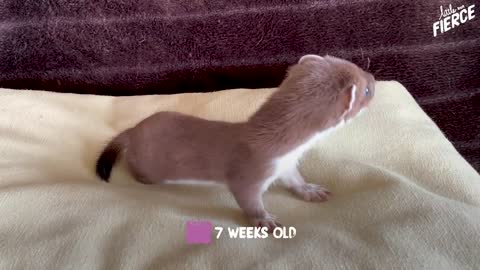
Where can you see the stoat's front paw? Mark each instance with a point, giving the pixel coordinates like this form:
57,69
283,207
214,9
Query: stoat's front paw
267,221
312,193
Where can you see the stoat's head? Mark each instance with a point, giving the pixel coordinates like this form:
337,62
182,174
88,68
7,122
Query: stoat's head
332,89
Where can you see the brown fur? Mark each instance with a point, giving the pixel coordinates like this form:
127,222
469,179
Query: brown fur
315,96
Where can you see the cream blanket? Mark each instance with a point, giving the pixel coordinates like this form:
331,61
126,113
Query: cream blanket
403,197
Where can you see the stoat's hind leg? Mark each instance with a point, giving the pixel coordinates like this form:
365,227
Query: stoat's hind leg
294,181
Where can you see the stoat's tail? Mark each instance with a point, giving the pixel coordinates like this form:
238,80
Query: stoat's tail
108,158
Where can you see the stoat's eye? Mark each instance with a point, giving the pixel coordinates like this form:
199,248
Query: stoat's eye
367,92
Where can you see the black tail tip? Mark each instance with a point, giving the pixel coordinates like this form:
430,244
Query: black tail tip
103,172
105,163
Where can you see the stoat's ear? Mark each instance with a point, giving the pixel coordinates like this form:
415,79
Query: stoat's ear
353,94
348,99
310,57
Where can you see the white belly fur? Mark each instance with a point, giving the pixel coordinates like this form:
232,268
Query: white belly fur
285,164
191,182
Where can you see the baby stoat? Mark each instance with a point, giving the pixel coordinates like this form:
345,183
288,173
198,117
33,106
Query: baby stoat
317,95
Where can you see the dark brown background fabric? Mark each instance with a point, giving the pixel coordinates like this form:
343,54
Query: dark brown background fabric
127,47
